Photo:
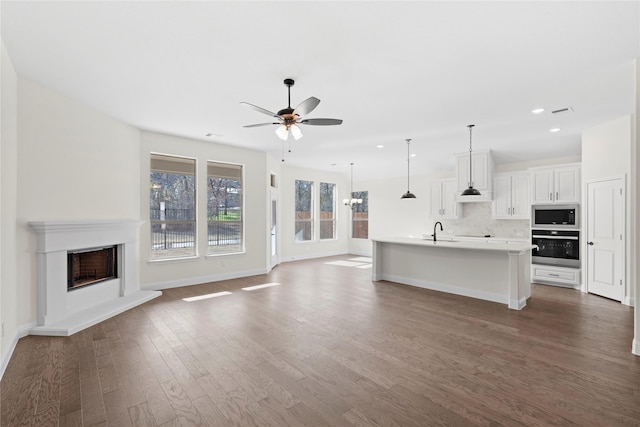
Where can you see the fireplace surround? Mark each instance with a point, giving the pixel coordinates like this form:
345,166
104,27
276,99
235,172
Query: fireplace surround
63,312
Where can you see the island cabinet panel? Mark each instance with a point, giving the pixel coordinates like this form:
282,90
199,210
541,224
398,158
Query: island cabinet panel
498,272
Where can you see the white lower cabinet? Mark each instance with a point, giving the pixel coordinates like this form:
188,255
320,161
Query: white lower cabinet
443,199
555,275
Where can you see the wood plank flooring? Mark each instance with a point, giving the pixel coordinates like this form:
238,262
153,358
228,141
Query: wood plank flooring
328,347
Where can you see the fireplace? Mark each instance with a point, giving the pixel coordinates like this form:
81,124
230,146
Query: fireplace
91,266
87,271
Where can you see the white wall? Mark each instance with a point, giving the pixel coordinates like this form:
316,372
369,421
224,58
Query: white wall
162,274
606,151
73,163
292,250
8,208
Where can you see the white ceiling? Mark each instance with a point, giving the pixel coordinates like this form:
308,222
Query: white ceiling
391,70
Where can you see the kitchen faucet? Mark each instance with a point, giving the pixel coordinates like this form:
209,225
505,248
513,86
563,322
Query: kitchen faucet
434,229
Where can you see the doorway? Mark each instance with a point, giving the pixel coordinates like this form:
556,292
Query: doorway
605,248
273,241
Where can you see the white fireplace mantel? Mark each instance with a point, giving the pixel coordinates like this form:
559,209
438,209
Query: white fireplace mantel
63,313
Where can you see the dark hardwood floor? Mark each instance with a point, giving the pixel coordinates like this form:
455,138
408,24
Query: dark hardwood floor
328,347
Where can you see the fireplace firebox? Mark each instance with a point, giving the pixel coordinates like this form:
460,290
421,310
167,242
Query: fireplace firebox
90,266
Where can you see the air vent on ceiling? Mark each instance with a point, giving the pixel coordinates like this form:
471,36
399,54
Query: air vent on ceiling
562,110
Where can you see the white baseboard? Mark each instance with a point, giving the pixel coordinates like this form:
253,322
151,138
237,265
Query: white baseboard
158,286
312,256
635,347
627,300
22,332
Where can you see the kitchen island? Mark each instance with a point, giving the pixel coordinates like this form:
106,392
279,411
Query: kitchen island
497,271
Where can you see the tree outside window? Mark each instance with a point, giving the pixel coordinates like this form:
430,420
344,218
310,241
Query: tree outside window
327,211
172,207
224,208
303,210
360,216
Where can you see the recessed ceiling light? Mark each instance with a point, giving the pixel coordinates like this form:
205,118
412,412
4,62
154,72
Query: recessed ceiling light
554,130
380,146
413,155
537,110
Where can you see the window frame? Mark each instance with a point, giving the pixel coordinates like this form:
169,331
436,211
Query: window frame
232,171
169,164
357,223
332,220
310,220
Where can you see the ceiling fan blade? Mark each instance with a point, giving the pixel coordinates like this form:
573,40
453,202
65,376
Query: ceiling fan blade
306,106
259,124
321,122
261,110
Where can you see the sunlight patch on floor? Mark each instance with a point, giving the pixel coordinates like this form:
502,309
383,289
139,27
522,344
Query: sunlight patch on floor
361,259
207,296
344,263
266,285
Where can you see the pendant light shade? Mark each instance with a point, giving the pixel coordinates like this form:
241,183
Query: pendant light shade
470,191
408,194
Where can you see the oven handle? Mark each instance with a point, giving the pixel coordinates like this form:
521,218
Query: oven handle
555,237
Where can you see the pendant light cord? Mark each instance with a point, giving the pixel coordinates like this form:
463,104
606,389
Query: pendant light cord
470,158
408,156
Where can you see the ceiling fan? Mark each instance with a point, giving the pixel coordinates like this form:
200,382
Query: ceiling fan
289,118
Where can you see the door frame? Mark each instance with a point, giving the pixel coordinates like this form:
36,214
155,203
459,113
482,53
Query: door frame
626,298
274,259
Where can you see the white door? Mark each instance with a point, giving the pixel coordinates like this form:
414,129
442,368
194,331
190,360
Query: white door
605,238
436,199
501,196
520,200
542,186
274,228
449,204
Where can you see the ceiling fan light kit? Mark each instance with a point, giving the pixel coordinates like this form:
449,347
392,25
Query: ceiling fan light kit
289,118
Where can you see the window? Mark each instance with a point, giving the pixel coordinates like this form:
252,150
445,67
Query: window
304,211
172,209
224,208
327,211
360,216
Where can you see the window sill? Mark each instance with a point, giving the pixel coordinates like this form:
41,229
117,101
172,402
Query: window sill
172,260
226,254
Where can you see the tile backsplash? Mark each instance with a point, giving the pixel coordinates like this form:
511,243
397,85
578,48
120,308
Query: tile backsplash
476,220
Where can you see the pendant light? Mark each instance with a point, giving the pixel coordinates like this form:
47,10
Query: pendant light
470,191
408,194
351,202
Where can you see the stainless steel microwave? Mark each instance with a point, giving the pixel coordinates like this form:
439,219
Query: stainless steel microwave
555,216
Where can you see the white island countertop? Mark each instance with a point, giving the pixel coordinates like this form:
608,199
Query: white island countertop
485,244
496,270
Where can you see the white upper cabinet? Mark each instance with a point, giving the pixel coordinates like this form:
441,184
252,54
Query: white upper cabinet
443,200
559,184
482,170
511,196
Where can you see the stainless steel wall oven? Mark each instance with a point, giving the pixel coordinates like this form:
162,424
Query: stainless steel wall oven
556,247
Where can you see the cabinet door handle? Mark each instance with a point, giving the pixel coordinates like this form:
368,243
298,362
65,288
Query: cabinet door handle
551,196
557,195
554,275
